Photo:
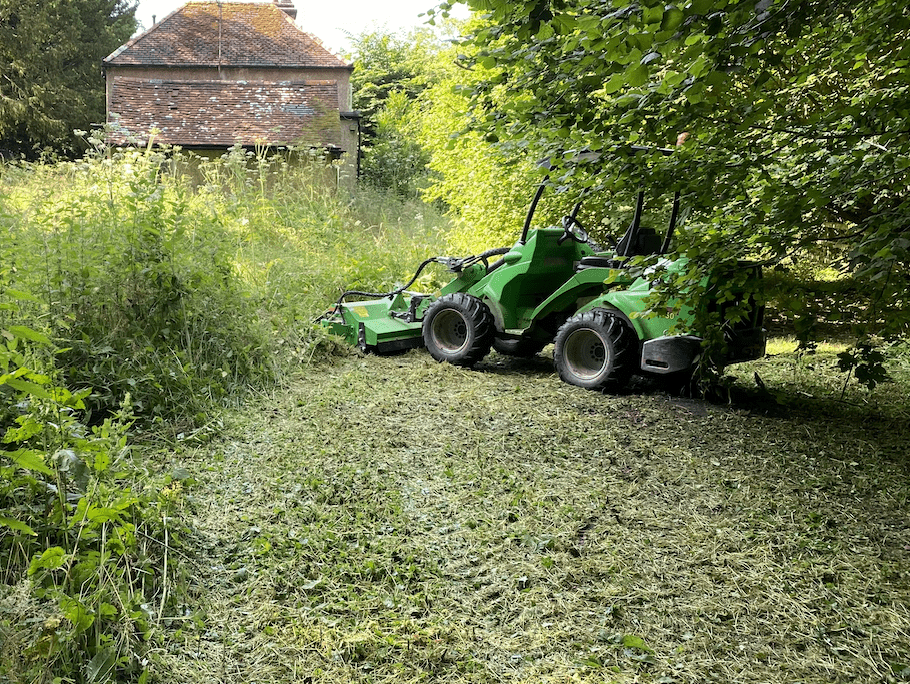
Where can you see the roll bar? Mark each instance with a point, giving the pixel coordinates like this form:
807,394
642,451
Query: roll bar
630,237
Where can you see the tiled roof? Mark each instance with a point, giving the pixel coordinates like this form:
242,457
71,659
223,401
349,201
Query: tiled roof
222,113
235,34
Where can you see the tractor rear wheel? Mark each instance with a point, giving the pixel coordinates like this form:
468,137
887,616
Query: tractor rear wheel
458,328
595,350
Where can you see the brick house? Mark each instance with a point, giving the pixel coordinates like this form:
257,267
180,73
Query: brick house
214,74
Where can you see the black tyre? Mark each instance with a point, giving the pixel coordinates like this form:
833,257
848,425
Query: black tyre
523,347
458,328
596,350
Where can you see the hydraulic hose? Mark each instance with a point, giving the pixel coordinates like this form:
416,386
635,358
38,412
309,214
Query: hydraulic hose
453,264
483,256
358,293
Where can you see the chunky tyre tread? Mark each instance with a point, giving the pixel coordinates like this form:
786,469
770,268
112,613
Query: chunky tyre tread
620,347
479,329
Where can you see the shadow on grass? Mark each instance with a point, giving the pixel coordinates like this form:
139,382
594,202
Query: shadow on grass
879,417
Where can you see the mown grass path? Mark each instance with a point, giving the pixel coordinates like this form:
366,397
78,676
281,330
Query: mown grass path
393,519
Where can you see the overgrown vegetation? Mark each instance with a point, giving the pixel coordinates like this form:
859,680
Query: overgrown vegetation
183,295
391,72
139,292
85,531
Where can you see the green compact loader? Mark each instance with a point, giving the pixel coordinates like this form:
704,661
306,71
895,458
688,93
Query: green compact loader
553,285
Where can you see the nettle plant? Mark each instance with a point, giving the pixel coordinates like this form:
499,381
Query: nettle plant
86,537
139,277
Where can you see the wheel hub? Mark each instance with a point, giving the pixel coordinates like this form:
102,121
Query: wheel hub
585,354
450,331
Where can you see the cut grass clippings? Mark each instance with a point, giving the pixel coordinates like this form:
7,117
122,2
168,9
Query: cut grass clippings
391,519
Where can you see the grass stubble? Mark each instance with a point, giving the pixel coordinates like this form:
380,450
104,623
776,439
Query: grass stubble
393,519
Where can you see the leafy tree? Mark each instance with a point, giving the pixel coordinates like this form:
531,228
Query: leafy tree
384,63
486,188
50,69
391,74
394,159
794,114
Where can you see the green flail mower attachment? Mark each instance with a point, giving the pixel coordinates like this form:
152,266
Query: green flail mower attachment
392,321
386,325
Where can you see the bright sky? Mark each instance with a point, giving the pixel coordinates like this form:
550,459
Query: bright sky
328,21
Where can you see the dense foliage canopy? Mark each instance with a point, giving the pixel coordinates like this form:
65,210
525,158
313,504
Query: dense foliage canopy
793,118
50,69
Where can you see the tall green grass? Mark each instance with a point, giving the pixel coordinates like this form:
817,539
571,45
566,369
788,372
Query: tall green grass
185,282
141,287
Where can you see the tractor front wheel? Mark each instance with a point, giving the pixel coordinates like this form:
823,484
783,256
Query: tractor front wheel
595,350
458,328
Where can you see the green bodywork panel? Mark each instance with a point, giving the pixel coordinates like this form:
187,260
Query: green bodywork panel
629,296
516,290
575,292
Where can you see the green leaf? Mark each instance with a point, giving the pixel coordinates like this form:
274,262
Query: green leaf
565,23
637,76
29,427
181,473
98,514
23,296
615,84
634,641
16,525
698,66
29,388
626,101
101,667
30,460
26,333
51,559
653,15
695,93
673,18
76,612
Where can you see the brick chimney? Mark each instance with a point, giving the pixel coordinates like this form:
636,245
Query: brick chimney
287,6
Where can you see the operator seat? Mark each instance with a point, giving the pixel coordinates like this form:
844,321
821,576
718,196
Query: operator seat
646,242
